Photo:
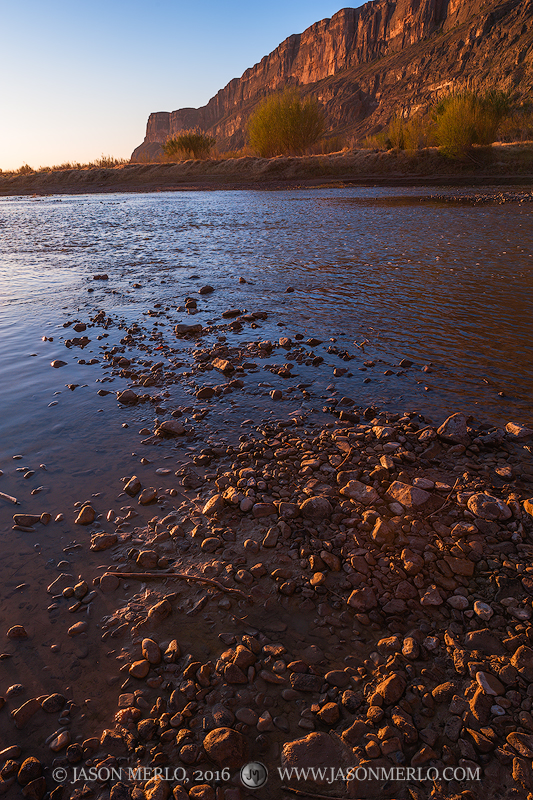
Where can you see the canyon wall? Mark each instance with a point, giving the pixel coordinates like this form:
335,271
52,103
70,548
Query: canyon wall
366,64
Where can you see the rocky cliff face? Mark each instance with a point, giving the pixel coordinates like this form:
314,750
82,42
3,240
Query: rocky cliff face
366,64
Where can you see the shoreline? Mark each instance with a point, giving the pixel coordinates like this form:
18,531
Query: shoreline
391,603
501,165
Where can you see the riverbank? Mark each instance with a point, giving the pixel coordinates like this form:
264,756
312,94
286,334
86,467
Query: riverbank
345,587
500,164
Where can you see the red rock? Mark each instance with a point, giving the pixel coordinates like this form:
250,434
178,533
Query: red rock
226,747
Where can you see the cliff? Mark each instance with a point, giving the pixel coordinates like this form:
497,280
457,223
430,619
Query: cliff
366,64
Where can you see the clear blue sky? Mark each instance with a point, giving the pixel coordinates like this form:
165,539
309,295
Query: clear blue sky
79,78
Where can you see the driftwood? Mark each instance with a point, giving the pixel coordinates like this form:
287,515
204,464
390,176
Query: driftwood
183,576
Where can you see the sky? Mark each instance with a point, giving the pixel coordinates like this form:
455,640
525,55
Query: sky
80,77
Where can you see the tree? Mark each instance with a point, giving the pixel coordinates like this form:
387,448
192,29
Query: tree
283,124
188,144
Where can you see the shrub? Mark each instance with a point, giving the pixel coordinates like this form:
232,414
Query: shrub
283,124
188,144
25,169
465,119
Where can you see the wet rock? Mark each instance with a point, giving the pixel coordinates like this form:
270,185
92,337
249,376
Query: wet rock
25,712
518,432
316,507
489,508
30,769
77,628
214,505
27,520
147,496
127,397
58,363
205,393
454,430
86,516
17,632
103,541
226,748
170,428
53,703
187,330
133,486
207,289
160,611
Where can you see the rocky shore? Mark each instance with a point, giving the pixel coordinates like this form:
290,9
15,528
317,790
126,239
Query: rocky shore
504,164
351,591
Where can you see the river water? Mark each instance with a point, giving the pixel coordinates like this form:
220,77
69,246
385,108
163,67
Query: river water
383,274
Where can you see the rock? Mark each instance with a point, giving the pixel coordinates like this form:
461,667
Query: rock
187,330
362,600
214,505
483,610
260,510
207,289
486,641
490,684
522,660
170,428
27,520
30,769
86,516
25,712
60,742
160,611
392,688
226,748
458,601
53,703
151,651
489,508
518,432
127,397
103,541
58,363
302,682
133,486
408,496
360,492
156,788
147,559
205,393
382,533
528,506
431,597
316,750
316,508
223,365
454,430
36,789
17,632
139,669
77,628
147,496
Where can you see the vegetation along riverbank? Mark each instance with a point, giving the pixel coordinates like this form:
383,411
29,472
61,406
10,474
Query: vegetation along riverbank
499,164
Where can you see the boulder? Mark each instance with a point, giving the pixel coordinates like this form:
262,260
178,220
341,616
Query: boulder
226,748
488,507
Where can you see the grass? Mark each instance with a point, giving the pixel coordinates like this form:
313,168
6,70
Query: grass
104,162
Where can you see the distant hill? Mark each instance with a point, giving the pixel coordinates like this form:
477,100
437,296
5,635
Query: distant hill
367,64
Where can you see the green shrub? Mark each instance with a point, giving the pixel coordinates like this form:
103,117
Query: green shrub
188,144
283,124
